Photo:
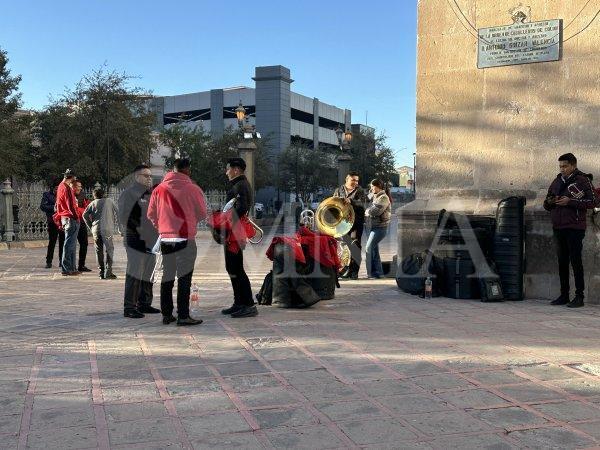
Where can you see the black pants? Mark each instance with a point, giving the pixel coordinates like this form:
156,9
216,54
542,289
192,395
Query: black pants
178,259
138,284
353,241
569,246
102,243
82,238
242,292
54,234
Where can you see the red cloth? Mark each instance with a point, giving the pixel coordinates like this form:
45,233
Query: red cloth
321,247
292,242
176,206
237,231
80,209
66,203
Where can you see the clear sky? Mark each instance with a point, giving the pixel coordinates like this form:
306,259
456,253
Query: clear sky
354,54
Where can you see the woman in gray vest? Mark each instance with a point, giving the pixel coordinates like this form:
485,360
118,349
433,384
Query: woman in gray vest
380,214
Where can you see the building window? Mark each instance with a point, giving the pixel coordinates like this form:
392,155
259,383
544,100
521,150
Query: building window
303,116
186,116
330,124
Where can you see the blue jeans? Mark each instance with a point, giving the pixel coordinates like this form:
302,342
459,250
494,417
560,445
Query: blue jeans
374,268
71,228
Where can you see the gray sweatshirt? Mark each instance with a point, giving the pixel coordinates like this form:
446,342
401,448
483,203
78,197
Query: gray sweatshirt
380,210
100,216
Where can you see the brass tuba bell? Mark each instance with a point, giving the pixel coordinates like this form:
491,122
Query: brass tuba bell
334,217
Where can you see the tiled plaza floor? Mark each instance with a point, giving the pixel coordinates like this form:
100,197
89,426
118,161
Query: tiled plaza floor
373,368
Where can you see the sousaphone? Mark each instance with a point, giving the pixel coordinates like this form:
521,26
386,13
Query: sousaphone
335,218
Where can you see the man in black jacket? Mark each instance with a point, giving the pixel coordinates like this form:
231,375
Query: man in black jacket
569,197
140,237
354,195
48,206
241,193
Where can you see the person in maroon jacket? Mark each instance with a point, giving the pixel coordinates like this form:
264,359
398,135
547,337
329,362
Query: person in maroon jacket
569,197
66,211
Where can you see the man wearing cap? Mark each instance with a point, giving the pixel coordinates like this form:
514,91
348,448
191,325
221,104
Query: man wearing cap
66,211
240,192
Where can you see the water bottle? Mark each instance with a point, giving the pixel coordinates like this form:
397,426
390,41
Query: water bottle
194,298
428,287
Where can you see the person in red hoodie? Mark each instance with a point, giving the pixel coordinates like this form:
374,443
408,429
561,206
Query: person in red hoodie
66,213
176,206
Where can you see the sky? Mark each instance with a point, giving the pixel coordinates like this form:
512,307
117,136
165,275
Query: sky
353,54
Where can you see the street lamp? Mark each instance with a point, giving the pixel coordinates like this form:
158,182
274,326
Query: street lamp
240,113
344,137
247,147
415,174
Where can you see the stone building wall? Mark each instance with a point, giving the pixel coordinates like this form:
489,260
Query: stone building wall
484,134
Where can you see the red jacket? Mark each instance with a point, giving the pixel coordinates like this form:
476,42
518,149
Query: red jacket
80,209
176,206
66,203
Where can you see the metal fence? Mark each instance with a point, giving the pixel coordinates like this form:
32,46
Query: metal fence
30,221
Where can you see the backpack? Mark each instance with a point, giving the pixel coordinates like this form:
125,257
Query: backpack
415,269
265,295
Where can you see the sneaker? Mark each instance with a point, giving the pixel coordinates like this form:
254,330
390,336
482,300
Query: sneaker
101,275
48,265
148,310
233,308
84,269
245,311
133,314
110,276
562,300
168,319
577,302
187,322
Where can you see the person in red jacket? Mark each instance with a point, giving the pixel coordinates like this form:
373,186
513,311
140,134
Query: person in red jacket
82,234
569,197
66,213
176,206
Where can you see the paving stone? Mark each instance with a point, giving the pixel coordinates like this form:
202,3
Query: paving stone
65,370
164,445
569,411
350,410
364,432
49,419
241,368
228,442
394,446
308,438
10,424
551,438
76,401
147,392
385,388
496,377
269,397
202,404
277,353
363,372
121,364
467,364
416,368
169,360
280,417
9,442
127,378
412,404
584,387
49,385
230,422
227,357
333,390
448,422
12,405
546,372
245,383
486,441
294,364
473,398
74,356
310,377
508,418
147,430
195,387
530,392
134,411
14,373
63,438
19,360
442,381
591,428
186,373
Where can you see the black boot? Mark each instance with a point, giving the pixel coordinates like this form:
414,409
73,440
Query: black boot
561,300
577,302
245,311
233,308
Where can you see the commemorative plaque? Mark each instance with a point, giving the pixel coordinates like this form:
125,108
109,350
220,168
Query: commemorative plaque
520,43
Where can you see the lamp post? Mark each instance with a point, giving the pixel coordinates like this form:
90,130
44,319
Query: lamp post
415,174
247,147
344,138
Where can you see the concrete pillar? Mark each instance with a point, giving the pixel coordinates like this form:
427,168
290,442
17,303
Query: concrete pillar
247,150
316,123
217,124
7,211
